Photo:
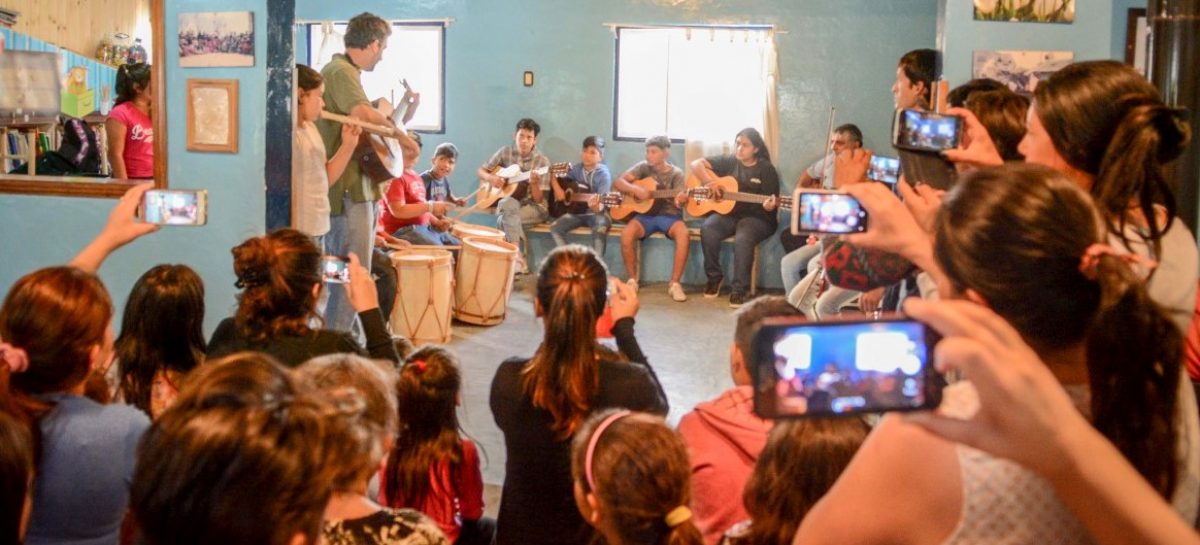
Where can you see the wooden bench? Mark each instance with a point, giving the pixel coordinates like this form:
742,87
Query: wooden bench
615,231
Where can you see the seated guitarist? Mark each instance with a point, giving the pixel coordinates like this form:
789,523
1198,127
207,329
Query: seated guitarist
749,223
590,175
527,206
404,211
352,196
665,217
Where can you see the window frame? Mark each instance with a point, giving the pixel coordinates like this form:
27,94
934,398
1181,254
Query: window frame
616,131
443,25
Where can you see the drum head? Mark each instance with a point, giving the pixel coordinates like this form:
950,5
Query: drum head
467,230
489,245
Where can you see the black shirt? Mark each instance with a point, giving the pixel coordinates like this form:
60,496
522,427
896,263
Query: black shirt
760,179
292,350
538,506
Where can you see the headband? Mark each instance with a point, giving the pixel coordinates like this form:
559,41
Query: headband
591,448
1091,259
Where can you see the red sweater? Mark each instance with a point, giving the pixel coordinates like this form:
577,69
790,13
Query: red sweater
455,493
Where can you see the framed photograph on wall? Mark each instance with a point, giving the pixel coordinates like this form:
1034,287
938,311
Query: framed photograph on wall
1026,11
212,115
224,38
1021,71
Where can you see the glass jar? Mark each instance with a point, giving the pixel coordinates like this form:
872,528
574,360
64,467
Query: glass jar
137,53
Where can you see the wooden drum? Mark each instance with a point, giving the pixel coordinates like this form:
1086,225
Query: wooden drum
484,280
463,230
424,287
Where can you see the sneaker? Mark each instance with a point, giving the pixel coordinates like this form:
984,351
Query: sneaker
737,299
676,292
632,283
713,287
521,267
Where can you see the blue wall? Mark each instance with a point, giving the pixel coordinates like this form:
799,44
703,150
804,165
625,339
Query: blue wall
1119,20
844,51
1090,36
43,231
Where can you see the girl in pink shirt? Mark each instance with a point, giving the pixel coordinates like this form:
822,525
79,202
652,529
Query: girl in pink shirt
129,127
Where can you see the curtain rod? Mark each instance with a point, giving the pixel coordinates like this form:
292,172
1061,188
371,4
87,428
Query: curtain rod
714,26
446,21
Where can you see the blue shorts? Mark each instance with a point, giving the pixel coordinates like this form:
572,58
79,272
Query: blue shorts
656,223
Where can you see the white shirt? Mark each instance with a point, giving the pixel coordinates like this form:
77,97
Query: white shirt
310,183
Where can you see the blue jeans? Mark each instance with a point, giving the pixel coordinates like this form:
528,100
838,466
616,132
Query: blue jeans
351,231
794,265
512,216
599,223
425,235
748,232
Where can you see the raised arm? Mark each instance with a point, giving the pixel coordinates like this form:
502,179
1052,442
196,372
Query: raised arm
120,229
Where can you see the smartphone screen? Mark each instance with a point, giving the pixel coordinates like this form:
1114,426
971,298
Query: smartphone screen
831,368
884,169
827,212
920,130
335,270
175,207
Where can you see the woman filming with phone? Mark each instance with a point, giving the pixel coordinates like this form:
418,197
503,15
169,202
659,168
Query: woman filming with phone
281,276
1086,314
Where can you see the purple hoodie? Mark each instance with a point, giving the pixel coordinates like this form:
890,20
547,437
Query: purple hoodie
724,438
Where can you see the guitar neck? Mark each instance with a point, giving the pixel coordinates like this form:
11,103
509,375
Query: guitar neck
753,197
664,193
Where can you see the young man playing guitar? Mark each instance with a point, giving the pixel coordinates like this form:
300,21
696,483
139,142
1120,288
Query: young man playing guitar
666,216
749,223
589,175
352,197
527,206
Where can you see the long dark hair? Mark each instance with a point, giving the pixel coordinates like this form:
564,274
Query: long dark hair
563,376
430,382
1016,236
1105,119
801,461
16,474
131,79
760,147
277,273
162,330
641,473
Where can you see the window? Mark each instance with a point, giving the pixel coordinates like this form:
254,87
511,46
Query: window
691,83
416,52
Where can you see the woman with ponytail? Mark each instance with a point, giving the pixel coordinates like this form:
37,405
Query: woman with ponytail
541,402
632,480
280,278
1027,242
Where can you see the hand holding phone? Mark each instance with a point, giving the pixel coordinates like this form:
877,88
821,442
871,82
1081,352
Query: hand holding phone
821,211
175,207
919,130
838,368
335,270
884,169
623,299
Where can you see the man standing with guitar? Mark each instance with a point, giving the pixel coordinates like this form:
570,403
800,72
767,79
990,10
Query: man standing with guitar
352,197
589,176
527,205
749,223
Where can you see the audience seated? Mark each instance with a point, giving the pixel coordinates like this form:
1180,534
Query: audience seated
631,480
432,468
802,459
162,337
280,277
245,456
364,391
539,403
1088,317
724,436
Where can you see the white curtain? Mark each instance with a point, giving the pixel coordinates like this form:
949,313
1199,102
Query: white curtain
770,130
332,42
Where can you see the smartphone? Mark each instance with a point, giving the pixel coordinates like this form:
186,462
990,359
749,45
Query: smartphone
835,368
925,131
819,211
884,169
335,270
175,207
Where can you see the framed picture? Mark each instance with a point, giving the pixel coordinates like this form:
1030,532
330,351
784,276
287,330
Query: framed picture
1137,34
224,38
1021,71
212,115
1025,11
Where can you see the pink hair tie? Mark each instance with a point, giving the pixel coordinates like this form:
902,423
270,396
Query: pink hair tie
16,358
1091,259
591,448
419,365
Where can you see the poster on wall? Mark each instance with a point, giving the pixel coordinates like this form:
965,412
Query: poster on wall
1026,11
1021,71
216,39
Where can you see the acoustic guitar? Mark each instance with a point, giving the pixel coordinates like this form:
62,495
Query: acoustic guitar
377,153
516,183
702,201
575,199
630,205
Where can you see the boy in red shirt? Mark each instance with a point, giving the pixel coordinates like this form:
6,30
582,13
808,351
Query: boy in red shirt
404,211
